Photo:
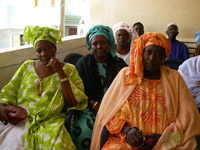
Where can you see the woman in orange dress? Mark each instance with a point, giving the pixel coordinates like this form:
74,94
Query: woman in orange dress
149,105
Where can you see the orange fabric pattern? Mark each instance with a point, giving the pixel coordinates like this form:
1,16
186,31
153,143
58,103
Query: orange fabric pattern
145,109
135,73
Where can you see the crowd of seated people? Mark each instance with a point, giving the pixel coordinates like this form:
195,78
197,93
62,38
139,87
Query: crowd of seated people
120,86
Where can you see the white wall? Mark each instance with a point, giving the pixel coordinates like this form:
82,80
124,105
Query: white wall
154,14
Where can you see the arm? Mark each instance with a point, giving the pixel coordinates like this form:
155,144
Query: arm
9,94
65,85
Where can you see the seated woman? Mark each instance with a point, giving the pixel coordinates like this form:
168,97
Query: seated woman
190,72
124,35
148,106
47,89
97,71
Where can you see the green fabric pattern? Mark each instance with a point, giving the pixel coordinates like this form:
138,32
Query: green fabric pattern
47,112
33,34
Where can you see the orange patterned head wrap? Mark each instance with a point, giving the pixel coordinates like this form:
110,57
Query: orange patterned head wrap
135,73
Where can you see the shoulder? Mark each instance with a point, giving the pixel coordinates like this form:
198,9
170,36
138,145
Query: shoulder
171,73
68,66
190,65
118,61
27,63
86,61
181,43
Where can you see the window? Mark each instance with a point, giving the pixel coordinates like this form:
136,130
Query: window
14,18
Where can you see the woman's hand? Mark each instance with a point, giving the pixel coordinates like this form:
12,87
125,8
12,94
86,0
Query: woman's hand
4,110
56,65
150,141
134,137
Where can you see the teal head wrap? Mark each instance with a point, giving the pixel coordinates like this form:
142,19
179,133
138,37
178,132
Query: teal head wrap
101,30
33,34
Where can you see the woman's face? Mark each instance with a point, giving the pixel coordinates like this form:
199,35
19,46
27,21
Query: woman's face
153,56
100,47
122,37
45,50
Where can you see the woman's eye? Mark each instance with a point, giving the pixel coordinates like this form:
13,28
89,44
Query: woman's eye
38,51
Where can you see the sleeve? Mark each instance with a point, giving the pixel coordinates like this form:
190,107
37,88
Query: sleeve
116,124
180,134
9,93
76,86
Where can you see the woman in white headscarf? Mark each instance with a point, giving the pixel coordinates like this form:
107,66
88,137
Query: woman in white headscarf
124,35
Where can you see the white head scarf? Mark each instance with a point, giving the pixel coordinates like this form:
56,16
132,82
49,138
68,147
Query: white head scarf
172,24
132,33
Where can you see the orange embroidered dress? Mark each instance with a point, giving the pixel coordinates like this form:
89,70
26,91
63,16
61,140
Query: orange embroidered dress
145,109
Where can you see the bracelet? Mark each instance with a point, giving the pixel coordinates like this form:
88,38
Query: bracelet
63,80
95,104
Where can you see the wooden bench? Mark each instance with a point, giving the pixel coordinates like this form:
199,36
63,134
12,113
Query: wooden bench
190,43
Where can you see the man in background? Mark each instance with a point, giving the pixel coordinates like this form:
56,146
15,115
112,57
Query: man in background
178,49
139,28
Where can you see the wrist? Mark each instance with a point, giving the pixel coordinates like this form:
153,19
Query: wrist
61,74
126,129
94,105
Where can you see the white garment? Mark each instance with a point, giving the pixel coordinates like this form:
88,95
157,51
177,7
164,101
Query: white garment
190,71
12,137
125,57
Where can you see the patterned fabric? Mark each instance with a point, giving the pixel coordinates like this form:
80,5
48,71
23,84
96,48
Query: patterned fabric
144,109
101,30
135,73
46,112
35,33
132,33
182,115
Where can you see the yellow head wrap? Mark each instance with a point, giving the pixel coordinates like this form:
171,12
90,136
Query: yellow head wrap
33,34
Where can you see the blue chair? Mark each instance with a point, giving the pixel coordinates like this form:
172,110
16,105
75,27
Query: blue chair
72,58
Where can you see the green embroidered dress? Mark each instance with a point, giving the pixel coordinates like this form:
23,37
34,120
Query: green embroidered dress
47,112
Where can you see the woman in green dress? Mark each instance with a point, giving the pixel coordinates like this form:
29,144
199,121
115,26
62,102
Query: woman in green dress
47,89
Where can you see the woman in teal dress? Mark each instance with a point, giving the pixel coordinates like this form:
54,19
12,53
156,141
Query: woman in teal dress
97,70
47,89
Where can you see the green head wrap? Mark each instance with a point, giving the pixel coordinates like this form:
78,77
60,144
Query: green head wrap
33,34
101,30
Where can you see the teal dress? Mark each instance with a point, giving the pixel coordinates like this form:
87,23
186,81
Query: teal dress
97,78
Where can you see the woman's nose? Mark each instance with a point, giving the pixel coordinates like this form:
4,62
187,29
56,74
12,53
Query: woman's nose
151,57
99,45
43,53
